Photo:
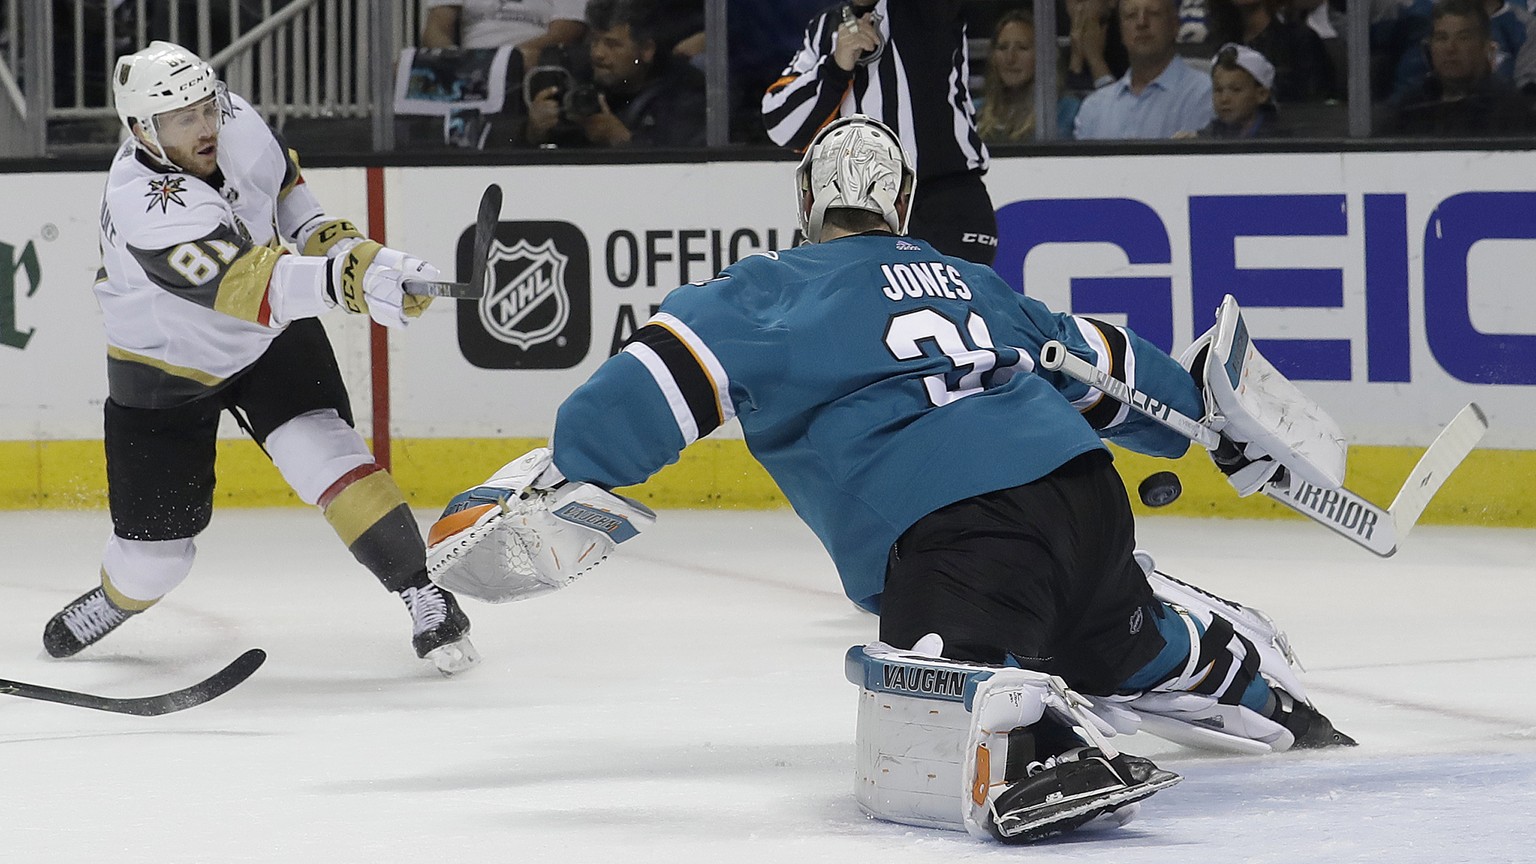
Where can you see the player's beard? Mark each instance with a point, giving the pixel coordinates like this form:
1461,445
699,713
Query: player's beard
199,159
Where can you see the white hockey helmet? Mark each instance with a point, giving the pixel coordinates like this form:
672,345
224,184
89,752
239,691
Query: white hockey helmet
161,78
856,162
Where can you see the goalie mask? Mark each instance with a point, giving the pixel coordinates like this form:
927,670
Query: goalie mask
858,163
173,97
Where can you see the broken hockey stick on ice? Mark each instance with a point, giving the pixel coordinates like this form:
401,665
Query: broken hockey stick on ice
485,235
218,684
1345,512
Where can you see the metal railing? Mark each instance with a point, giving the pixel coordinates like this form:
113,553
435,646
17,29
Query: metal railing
290,58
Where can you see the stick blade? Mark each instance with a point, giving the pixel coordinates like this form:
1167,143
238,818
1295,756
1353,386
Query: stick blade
212,687
1347,514
485,236
1449,449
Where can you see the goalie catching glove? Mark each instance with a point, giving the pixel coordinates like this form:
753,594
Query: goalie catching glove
527,531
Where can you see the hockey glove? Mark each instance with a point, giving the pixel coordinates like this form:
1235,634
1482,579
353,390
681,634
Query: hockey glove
527,531
365,280
1247,467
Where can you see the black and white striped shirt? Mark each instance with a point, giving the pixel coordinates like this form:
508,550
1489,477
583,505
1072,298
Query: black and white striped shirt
917,86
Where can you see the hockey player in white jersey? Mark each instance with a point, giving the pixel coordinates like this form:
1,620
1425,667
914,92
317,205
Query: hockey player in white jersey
961,489
205,310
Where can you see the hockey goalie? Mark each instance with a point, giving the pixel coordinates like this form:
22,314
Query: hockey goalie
963,492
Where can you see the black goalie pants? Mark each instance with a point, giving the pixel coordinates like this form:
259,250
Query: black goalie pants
160,461
1040,574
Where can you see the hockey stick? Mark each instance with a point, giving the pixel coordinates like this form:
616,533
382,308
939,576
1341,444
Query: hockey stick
147,706
485,235
1345,512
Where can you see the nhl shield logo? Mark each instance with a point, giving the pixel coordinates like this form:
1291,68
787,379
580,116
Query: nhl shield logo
537,309
527,302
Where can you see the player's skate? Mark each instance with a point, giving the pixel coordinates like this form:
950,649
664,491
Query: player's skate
1068,791
439,629
83,622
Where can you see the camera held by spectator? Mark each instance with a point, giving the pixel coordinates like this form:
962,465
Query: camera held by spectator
576,100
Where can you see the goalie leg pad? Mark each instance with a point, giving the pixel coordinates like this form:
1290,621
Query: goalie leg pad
1207,702
941,742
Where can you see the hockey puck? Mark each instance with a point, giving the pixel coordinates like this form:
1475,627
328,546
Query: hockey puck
1160,489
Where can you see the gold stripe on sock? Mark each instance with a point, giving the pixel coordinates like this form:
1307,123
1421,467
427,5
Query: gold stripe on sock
121,600
357,507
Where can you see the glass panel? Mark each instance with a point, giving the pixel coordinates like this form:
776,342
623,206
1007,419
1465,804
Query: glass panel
1451,69
764,39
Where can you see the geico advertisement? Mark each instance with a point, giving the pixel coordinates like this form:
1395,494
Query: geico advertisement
1393,287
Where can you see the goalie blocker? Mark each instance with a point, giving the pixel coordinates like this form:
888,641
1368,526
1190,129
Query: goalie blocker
1000,753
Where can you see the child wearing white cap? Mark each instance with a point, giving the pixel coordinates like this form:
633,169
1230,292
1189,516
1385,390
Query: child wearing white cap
1241,81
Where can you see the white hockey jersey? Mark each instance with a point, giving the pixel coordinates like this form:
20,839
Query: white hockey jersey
188,264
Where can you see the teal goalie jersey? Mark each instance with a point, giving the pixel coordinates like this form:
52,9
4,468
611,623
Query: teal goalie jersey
875,379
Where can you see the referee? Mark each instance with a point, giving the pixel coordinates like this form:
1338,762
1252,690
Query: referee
904,62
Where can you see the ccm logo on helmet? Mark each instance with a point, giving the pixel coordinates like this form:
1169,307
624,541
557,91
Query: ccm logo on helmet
975,237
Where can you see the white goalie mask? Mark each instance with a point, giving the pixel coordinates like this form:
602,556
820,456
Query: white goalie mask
856,162
162,78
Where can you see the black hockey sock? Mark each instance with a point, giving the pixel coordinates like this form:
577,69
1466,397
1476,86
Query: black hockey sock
369,513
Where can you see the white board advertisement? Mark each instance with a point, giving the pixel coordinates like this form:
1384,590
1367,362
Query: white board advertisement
1394,287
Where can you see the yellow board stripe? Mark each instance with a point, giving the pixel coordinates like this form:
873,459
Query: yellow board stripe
205,378
356,508
1487,490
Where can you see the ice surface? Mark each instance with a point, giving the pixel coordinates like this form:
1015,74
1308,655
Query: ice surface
686,703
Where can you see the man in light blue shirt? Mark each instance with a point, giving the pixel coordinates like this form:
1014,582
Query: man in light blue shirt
1159,96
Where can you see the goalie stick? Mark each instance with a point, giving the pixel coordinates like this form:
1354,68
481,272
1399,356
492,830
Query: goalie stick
1345,512
147,706
485,235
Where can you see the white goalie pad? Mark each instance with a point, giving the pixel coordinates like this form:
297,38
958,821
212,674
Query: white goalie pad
933,733
1198,720
508,539
1250,401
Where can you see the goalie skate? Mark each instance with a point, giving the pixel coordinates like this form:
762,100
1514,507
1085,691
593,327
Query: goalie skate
1070,790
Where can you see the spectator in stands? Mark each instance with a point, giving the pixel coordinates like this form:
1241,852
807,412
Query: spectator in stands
531,25
1462,96
1005,113
1508,23
1303,71
1097,53
1160,95
1327,20
643,94
1241,83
